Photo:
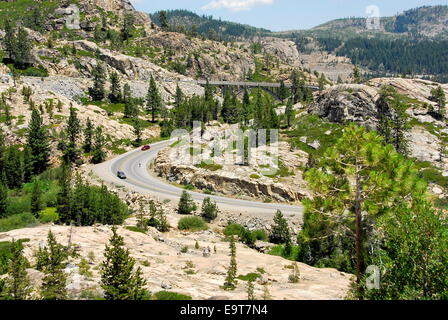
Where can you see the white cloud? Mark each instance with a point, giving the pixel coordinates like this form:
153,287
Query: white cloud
235,5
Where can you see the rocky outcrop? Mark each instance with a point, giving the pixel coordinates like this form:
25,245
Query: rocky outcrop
348,103
163,263
285,50
235,180
357,103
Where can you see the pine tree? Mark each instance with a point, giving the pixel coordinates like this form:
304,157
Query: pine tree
357,75
127,93
36,199
163,20
280,232
209,210
71,152
3,199
141,221
115,88
98,153
22,56
37,20
230,108
358,179
27,164
130,109
118,278
438,96
137,128
97,92
17,45
250,291
393,119
179,97
153,99
52,261
322,82
9,40
163,225
247,111
38,143
414,253
17,285
266,293
283,91
296,92
289,113
128,27
186,204
88,136
230,281
64,196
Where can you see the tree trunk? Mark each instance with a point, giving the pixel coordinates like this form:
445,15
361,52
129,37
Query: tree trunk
358,238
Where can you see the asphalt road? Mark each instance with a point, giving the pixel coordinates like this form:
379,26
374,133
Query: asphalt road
135,163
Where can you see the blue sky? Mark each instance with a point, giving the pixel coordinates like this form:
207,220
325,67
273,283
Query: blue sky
279,15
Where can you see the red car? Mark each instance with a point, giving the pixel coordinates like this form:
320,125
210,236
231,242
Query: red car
146,148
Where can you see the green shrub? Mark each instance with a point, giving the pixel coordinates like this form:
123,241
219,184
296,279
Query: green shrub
279,250
260,235
18,205
167,295
209,210
48,215
17,221
192,224
244,235
234,229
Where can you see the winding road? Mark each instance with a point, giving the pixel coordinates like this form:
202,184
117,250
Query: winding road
135,163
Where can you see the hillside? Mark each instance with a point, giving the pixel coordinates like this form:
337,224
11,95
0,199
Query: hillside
426,21
207,26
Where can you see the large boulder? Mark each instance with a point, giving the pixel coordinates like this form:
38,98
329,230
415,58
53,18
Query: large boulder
348,103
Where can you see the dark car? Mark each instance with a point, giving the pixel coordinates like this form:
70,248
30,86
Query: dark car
121,175
146,148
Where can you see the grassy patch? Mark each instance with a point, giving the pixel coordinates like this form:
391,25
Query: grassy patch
135,229
314,128
17,221
249,277
168,295
209,166
192,224
279,250
19,9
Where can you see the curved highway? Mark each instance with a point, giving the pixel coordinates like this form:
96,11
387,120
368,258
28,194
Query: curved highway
135,163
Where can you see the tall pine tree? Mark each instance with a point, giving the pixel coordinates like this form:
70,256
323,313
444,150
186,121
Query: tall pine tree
38,143
118,278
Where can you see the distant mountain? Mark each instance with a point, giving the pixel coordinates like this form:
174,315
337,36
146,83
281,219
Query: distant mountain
187,21
427,21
